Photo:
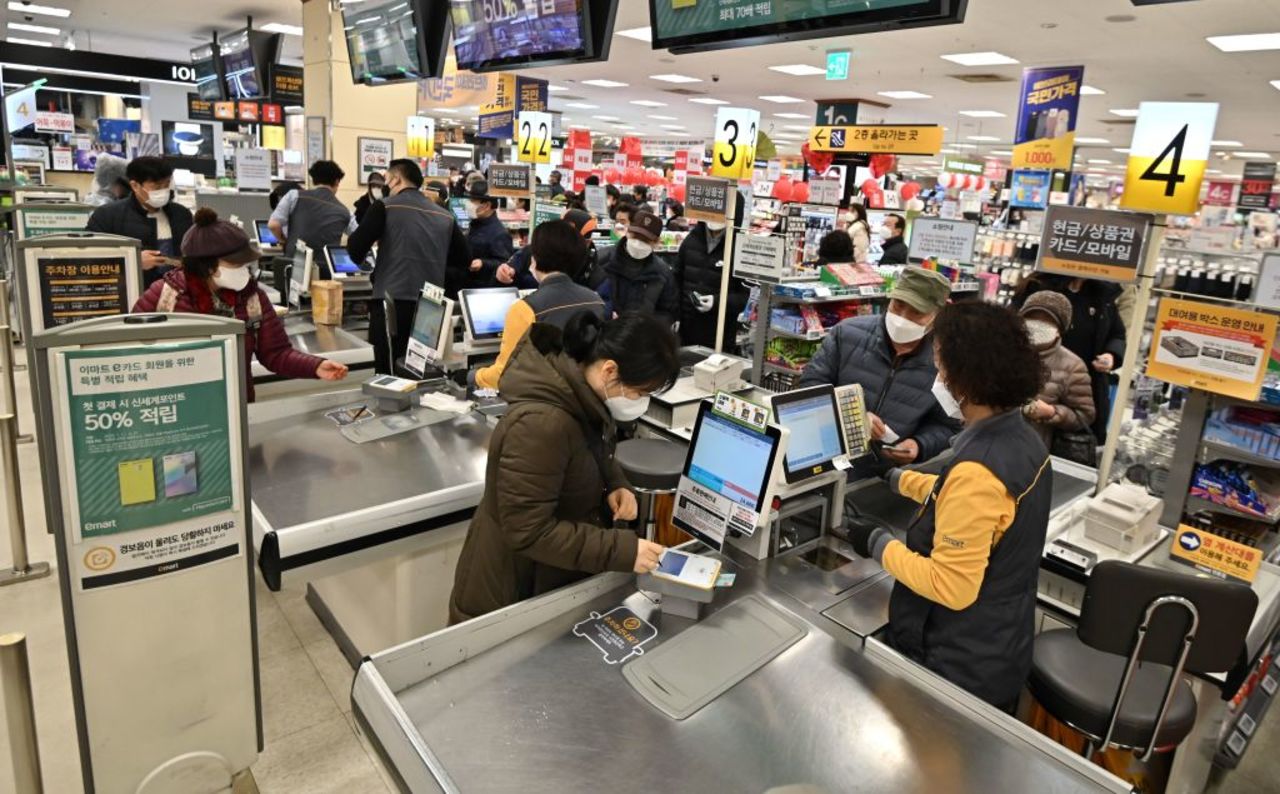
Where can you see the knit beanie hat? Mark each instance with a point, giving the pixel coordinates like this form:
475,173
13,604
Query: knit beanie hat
1054,304
211,238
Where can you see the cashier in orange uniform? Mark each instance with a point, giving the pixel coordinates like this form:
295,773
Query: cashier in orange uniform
558,252
965,597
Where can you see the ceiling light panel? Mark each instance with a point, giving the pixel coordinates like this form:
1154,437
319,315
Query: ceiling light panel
982,114
277,27
781,99
1094,141
1088,90
30,42
675,78
601,83
639,34
980,59
1249,42
904,95
984,138
1235,144
48,11
1125,113
790,116
648,103
798,70
706,100
42,29
581,106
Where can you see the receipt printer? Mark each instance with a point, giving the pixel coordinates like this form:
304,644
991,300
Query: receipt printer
718,373
393,395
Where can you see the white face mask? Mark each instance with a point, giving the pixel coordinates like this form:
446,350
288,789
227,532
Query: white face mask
903,331
638,249
158,198
473,210
1041,332
946,399
232,278
716,226
626,409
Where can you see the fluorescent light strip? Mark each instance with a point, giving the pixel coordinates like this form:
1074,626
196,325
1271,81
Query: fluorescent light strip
639,34
984,138
904,95
1255,155
48,11
582,106
980,59
781,99
798,70
555,89
1088,90
648,103
604,83
703,100
288,30
1235,144
664,118
1249,42
790,116
1125,113
41,29
29,42
982,114
675,78
99,75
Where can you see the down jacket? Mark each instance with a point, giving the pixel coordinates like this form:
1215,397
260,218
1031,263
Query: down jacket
540,524
1068,388
898,389
698,268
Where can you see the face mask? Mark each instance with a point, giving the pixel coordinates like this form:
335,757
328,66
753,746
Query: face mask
473,211
626,409
1042,333
377,192
639,249
716,226
232,278
903,331
158,198
946,399
886,232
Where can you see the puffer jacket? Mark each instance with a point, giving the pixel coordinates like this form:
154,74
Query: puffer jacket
540,524
860,233
634,285
898,389
1068,388
698,269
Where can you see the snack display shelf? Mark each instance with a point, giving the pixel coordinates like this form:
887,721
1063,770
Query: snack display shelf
1195,504
813,336
1211,450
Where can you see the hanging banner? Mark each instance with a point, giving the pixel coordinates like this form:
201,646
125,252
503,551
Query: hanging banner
734,155
1048,108
1220,194
421,137
1168,156
1096,244
20,109
1213,348
512,96
707,198
1255,187
671,147
509,181
877,139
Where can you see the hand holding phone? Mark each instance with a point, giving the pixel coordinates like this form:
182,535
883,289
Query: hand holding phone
688,569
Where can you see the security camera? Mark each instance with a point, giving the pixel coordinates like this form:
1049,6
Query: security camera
715,78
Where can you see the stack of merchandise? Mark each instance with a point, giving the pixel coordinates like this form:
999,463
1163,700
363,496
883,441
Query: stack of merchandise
1239,488
1254,430
852,275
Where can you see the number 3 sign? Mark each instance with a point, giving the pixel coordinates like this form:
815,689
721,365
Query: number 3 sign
1168,156
735,150
533,137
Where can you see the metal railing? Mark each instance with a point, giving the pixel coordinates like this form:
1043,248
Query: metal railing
23,569
20,713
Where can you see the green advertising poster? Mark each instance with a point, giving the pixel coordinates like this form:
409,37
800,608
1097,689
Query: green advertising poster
38,223
677,18
545,211
150,436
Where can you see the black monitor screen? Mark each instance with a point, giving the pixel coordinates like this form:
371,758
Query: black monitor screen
187,139
492,33
341,261
208,83
382,42
239,67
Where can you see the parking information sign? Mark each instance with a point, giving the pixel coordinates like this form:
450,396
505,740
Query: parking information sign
1086,243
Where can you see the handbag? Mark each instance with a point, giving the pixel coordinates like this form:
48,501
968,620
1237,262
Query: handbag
1077,446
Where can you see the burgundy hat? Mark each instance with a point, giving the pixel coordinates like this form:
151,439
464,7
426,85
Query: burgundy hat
645,225
211,238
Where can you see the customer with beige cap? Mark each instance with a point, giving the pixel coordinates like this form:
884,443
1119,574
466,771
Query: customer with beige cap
891,356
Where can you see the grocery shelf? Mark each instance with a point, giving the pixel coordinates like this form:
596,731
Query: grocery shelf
776,331
1211,450
1195,505
832,299
781,370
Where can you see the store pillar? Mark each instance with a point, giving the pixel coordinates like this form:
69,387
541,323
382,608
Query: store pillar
350,111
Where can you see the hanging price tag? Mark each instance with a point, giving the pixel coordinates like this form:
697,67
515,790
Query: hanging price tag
1168,156
533,137
735,149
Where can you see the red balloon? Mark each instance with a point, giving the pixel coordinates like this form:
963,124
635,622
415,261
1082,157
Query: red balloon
782,189
882,164
677,193
909,191
875,199
799,192
818,161
870,185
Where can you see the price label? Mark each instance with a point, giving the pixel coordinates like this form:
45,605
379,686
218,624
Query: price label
533,137
734,154
1168,156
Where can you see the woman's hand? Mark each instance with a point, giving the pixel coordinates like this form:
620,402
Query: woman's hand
331,370
623,504
877,426
1105,362
1044,411
647,556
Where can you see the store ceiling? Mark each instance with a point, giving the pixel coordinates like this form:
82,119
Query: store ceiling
1161,54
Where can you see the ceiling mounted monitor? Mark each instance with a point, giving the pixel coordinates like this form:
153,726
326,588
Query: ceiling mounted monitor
396,41
207,62
697,27
246,56
489,36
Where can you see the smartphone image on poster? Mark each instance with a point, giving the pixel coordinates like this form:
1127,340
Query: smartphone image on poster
137,481
180,474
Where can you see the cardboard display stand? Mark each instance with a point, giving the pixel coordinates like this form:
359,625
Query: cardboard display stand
147,495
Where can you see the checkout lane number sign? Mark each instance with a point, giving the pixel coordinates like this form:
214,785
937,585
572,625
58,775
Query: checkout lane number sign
1168,156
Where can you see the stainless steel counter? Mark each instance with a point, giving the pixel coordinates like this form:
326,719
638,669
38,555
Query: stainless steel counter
327,341
316,494
515,702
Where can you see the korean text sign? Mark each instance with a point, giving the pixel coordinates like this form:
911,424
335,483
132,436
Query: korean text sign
1048,108
1210,347
1088,243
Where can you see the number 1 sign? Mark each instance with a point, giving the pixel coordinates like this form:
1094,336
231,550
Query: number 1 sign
1168,156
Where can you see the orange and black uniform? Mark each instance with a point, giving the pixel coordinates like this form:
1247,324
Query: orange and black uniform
964,601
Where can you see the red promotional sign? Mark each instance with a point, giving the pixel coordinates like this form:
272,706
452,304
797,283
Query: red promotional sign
272,113
1220,194
247,111
1255,188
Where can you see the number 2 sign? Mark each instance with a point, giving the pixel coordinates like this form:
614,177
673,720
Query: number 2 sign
735,149
533,137
1168,156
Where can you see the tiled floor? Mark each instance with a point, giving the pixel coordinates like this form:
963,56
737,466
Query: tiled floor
312,745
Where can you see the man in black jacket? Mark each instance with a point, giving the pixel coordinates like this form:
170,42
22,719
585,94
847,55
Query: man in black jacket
636,278
699,265
491,244
895,249
148,214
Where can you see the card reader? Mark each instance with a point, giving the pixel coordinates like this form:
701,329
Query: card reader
391,393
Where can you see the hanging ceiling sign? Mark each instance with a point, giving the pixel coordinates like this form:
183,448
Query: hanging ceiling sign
877,139
1168,157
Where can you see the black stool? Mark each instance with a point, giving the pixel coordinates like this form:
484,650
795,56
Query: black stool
653,468
1118,677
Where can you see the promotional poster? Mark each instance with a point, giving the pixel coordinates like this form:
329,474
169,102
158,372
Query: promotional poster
1047,115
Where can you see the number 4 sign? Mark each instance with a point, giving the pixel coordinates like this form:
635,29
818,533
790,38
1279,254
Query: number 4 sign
735,149
1168,156
533,139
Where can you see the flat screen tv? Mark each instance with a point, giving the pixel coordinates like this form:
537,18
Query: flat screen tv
241,72
396,41
207,62
697,27
490,35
